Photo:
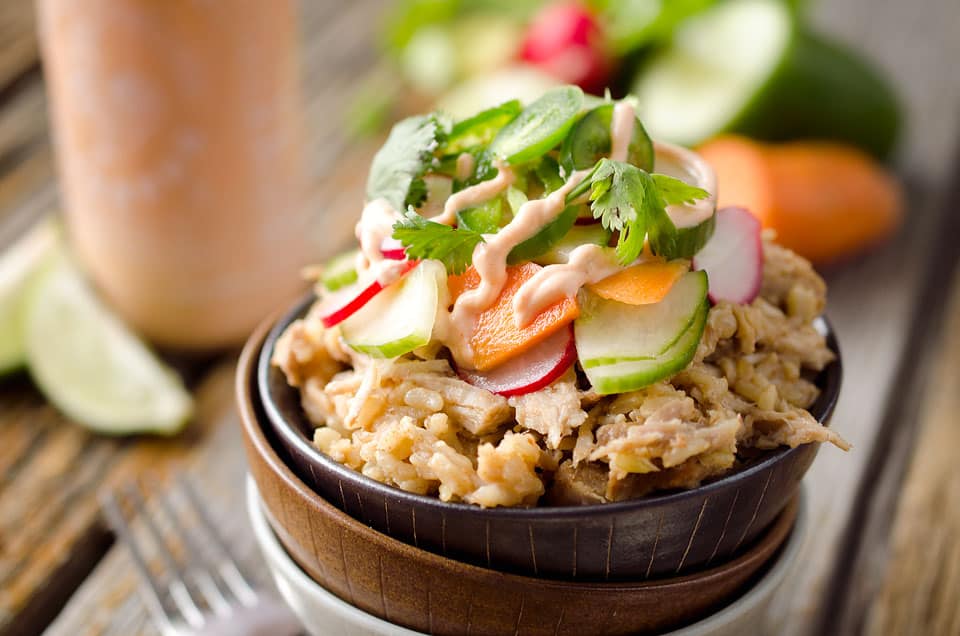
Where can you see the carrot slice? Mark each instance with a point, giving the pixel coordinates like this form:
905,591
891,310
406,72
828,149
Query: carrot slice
641,284
496,337
825,200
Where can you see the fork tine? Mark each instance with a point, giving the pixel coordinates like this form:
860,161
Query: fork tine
227,567
178,587
151,593
206,583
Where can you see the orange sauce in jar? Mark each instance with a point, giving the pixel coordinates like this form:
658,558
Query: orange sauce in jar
178,128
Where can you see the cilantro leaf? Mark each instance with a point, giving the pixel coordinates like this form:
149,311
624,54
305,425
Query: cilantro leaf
634,203
662,233
674,191
428,239
619,196
398,167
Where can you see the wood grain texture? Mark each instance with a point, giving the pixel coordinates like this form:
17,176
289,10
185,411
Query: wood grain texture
108,603
920,590
46,551
18,53
50,460
873,301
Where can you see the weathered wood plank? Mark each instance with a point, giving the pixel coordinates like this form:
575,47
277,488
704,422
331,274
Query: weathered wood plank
873,301
64,467
44,549
23,121
212,456
18,35
921,586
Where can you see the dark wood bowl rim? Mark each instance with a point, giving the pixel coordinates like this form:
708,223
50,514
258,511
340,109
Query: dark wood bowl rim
822,409
251,408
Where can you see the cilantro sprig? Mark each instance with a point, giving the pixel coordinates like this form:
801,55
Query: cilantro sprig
396,173
633,202
428,239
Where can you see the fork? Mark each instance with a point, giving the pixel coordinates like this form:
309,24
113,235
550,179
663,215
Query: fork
226,604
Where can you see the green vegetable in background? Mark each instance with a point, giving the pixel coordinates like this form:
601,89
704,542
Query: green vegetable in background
409,16
750,66
635,24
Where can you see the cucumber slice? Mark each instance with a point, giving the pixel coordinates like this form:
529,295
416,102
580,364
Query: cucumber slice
400,318
718,62
17,268
548,236
578,235
627,376
590,140
91,366
609,332
747,66
690,240
825,91
541,126
340,271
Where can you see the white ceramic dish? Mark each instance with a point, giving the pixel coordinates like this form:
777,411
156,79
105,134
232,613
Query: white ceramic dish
324,614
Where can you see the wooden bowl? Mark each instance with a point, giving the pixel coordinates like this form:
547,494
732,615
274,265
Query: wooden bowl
421,590
654,536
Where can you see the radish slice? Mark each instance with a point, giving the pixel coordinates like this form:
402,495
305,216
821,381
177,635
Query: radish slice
733,257
343,303
530,371
392,249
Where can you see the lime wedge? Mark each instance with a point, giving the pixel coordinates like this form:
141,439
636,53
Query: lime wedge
91,366
17,266
749,66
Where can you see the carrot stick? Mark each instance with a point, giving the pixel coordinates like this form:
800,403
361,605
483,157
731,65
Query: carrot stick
496,337
825,200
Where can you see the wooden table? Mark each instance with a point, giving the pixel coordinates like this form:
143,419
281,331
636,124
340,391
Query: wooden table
884,557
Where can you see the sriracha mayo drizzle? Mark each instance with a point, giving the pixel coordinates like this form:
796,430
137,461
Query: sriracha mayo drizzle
375,226
475,194
490,257
465,166
688,166
621,130
587,264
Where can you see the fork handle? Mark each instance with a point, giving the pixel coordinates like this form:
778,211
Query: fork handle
267,618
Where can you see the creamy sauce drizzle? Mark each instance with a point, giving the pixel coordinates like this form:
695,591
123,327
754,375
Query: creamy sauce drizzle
475,194
373,228
465,166
587,264
621,130
688,166
490,257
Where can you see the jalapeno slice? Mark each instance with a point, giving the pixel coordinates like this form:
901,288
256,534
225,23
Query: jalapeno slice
540,127
589,141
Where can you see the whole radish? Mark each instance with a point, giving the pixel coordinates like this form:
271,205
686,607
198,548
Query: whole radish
565,40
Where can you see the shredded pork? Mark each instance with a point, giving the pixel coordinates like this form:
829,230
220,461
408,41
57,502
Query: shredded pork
414,424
